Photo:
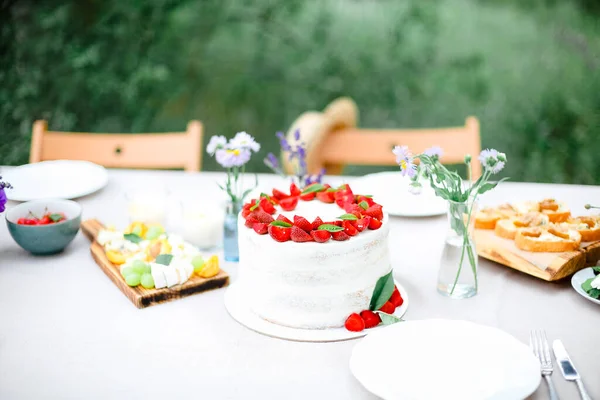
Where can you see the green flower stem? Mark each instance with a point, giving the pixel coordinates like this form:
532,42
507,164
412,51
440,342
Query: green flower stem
466,244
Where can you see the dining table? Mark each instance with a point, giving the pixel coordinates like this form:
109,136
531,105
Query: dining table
67,332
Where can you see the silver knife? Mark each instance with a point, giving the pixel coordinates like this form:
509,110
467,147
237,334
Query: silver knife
567,368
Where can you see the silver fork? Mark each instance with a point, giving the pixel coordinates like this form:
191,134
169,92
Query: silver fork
539,344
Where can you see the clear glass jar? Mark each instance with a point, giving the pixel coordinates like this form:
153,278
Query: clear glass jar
230,231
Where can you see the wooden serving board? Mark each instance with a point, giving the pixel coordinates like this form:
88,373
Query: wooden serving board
546,266
138,295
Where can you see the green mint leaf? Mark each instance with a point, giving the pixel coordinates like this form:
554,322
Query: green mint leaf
382,292
343,187
132,237
388,319
348,217
55,217
364,205
330,228
255,206
587,285
331,190
164,259
315,187
282,224
596,270
368,195
595,293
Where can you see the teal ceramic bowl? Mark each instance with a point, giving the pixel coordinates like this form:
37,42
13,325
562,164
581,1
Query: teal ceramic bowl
44,239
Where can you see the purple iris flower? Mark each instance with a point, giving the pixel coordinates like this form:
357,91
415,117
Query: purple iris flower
3,200
297,135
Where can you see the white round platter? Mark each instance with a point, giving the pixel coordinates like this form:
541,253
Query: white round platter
444,359
237,306
391,190
60,179
579,278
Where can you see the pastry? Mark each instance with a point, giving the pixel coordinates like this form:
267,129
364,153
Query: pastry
553,239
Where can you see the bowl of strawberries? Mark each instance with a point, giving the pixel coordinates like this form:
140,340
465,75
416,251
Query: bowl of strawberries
44,226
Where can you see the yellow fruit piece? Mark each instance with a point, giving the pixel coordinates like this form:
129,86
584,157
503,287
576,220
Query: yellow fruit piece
157,247
116,257
211,268
110,227
139,228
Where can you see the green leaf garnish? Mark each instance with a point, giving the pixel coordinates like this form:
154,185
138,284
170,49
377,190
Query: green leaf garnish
382,292
282,224
348,217
596,270
132,237
364,205
164,259
55,217
331,190
343,187
330,228
368,195
388,319
255,206
315,187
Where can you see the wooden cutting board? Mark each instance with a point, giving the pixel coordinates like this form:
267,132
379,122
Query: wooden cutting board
138,295
546,266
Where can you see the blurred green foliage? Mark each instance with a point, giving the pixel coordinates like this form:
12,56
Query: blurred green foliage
527,69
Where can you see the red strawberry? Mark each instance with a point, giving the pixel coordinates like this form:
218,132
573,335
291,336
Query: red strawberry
317,223
342,200
320,236
302,223
260,228
349,228
251,220
325,197
299,235
363,223
262,216
375,211
283,218
388,308
289,204
246,212
339,223
355,323
279,195
280,233
308,196
371,319
340,236
366,199
396,299
352,208
267,206
374,224
294,191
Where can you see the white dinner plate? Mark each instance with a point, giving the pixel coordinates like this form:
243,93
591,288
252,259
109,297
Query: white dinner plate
237,306
391,190
444,359
61,179
579,278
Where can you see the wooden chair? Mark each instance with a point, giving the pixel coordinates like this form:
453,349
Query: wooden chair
333,140
152,151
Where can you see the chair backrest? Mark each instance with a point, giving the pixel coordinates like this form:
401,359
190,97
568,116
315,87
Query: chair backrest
151,150
333,140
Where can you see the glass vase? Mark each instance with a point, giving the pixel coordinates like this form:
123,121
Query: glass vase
457,276
230,231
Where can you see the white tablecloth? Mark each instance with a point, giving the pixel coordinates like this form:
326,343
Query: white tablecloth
67,332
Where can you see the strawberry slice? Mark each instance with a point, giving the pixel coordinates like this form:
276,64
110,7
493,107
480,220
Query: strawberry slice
317,223
388,308
320,236
340,236
308,196
375,211
267,206
260,228
396,299
289,204
283,218
302,223
349,228
294,190
344,200
299,235
363,223
325,197
250,221
368,200
355,323
262,216
375,224
279,195
246,212
280,233
371,319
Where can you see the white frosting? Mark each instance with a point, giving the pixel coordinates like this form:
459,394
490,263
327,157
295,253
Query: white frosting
596,282
311,285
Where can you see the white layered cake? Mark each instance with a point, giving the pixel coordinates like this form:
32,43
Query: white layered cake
312,285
